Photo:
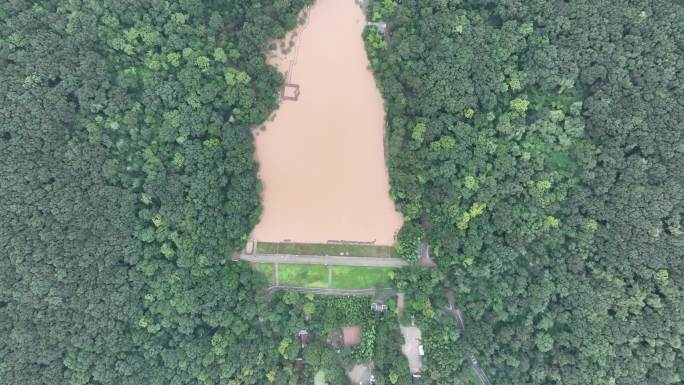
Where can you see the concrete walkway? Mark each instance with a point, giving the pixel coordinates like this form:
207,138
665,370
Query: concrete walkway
324,291
412,338
323,260
360,374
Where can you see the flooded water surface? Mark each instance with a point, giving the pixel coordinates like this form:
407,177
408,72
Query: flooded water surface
321,158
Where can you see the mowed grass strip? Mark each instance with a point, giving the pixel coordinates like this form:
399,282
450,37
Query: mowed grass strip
267,269
350,277
326,249
303,275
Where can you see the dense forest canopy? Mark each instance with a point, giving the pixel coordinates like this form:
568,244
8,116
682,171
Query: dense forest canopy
535,145
127,177
539,145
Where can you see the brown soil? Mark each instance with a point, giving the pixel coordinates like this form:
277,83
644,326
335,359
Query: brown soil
351,335
321,158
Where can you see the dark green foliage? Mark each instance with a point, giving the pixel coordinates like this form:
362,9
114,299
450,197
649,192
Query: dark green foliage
408,241
542,142
380,346
127,180
537,146
391,367
333,313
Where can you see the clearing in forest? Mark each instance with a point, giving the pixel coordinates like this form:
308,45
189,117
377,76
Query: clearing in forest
321,157
303,275
348,277
324,276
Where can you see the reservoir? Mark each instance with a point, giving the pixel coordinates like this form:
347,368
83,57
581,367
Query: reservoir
321,156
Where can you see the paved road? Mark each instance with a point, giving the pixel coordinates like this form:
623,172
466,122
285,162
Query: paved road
412,338
325,291
425,259
360,374
324,260
478,371
458,317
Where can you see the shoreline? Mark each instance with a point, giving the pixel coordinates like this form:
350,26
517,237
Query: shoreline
323,154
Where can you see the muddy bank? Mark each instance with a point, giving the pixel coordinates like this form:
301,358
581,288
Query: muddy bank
321,158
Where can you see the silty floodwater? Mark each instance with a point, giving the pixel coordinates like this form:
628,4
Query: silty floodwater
321,157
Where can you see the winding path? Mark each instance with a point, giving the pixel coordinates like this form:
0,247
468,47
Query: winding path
458,317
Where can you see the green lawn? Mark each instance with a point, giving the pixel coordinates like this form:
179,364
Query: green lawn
348,277
303,275
325,249
267,269
343,277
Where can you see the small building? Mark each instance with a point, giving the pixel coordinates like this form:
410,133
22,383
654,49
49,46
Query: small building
380,25
298,364
290,92
304,337
378,307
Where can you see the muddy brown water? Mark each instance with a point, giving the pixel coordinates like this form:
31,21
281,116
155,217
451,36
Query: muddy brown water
321,157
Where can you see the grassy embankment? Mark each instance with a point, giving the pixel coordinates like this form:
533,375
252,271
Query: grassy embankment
326,249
